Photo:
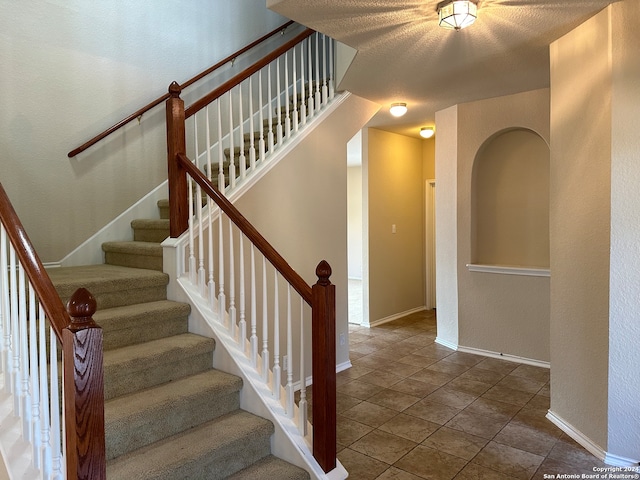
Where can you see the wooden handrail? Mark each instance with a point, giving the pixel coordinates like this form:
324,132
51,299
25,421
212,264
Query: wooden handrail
280,264
229,84
186,84
81,341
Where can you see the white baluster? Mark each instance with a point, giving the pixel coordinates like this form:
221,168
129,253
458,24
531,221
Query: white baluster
56,446
15,347
201,271
310,101
211,284
232,284
289,366
303,98
252,134
275,386
287,118
325,90
254,336
318,98
221,181
265,325
296,120
192,250
46,449
243,323
34,374
25,398
221,296
261,142
232,152
302,406
241,157
278,102
331,79
5,310
270,110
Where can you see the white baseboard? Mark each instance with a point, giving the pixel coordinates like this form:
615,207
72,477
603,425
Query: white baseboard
446,343
618,461
504,356
577,435
396,316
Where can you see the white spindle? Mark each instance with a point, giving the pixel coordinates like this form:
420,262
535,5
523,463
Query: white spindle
45,432
278,102
252,134
302,407
287,118
232,151
25,400
201,270
254,336
243,323
289,366
232,284
192,251
331,79
242,159
270,111
4,310
15,348
295,91
265,325
221,296
325,90
275,387
310,101
318,99
261,142
211,284
56,446
221,181
34,375
303,99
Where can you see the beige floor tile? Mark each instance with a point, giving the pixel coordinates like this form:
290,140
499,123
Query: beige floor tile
508,460
359,466
497,365
414,387
394,473
533,373
479,425
521,383
432,464
443,366
493,408
409,427
454,398
469,386
467,359
432,411
417,360
348,431
477,472
358,389
383,446
456,443
380,378
481,375
434,378
394,400
370,414
526,438
508,395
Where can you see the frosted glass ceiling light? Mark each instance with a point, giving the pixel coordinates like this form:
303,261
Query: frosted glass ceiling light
427,132
398,109
456,14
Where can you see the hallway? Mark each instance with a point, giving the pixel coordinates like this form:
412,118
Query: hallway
411,409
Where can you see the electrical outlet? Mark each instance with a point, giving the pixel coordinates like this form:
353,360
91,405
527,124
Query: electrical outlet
343,340
285,363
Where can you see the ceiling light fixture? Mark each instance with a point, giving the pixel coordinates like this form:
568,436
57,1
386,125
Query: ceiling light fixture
398,109
427,132
456,14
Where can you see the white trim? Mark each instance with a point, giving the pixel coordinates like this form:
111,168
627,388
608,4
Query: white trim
394,317
576,435
504,270
504,356
618,461
446,343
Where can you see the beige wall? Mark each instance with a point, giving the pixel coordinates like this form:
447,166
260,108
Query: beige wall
300,206
354,217
395,197
71,69
580,225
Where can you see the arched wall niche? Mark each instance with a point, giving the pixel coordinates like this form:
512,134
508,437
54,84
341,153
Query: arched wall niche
510,200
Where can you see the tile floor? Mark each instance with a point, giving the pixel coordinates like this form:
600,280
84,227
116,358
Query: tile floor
411,409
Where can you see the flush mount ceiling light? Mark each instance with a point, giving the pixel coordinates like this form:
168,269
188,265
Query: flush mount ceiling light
456,14
398,109
427,132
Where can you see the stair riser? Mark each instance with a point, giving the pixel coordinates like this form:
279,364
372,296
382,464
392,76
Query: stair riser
150,235
148,373
140,333
164,422
133,261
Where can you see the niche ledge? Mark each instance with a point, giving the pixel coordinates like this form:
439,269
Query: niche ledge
505,270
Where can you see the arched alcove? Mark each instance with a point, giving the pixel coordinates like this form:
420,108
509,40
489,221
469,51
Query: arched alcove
510,201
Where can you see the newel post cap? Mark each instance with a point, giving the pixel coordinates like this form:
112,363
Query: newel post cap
323,271
81,307
175,89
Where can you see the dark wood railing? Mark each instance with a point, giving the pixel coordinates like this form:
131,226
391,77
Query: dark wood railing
321,297
138,113
81,340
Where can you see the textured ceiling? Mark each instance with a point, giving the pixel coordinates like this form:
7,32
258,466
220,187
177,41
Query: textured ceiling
403,56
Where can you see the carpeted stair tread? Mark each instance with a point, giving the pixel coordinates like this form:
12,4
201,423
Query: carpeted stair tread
150,230
272,468
148,364
111,285
141,418
213,450
137,323
163,207
134,254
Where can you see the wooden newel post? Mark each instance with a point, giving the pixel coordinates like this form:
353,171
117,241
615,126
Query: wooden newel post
323,338
84,390
176,143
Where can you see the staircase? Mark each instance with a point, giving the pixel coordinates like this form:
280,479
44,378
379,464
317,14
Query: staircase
168,413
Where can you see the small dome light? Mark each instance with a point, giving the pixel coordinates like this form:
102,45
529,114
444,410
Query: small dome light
427,132
398,109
